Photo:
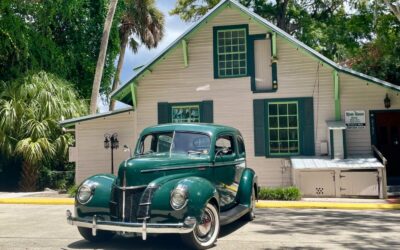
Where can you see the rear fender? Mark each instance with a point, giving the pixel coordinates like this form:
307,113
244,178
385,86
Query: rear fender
248,183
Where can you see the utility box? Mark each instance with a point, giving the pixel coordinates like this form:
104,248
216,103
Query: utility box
325,177
337,139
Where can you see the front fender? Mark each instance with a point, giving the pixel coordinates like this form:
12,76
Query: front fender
200,191
99,204
248,183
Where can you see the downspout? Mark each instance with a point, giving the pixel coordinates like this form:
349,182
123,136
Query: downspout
338,115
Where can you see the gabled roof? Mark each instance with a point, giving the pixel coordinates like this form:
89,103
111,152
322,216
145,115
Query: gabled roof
123,93
71,122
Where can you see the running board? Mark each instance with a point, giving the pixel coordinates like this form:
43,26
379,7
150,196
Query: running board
233,214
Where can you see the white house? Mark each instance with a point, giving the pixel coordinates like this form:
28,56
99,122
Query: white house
305,120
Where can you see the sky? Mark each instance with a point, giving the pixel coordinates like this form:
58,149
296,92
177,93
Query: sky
174,27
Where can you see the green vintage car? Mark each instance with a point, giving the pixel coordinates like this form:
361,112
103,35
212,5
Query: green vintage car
186,179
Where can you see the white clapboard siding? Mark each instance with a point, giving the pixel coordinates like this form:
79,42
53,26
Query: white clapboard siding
93,158
356,94
170,81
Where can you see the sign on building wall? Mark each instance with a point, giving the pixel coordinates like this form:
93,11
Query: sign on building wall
355,119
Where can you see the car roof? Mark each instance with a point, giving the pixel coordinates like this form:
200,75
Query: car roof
207,128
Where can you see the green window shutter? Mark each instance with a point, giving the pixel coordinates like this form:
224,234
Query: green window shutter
207,112
307,126
259,127
274,67
163,112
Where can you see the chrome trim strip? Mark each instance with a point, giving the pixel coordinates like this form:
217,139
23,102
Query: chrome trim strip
130,187
123,195
172,168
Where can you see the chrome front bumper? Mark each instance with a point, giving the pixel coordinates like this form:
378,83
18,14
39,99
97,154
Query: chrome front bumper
143,228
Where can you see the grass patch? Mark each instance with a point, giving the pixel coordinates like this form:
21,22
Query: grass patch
72,190
281,193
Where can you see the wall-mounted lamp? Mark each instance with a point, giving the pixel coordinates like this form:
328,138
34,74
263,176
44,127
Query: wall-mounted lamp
111,141
387,101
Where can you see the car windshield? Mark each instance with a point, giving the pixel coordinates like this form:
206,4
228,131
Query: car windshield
189,143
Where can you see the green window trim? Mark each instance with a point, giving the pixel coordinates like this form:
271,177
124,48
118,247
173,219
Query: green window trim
306,142
274,70
185,113
283,125
166,112
231,51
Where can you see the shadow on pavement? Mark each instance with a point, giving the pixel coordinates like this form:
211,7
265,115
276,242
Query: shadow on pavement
153,241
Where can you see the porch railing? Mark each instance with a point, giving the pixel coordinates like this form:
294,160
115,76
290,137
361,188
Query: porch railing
384,162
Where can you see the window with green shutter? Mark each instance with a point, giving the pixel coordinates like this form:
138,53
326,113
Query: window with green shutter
230,51
187,112
283,129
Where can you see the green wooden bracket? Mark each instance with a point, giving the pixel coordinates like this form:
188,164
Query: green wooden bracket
337,95
273,44
185,53
133,92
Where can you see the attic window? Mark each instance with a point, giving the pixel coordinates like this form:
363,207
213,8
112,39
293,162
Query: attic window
230,51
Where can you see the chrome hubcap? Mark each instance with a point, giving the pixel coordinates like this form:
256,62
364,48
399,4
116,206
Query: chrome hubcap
206,228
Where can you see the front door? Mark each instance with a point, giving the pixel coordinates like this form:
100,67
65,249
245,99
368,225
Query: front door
386,137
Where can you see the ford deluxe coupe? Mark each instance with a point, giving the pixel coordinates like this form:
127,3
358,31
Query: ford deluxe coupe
186,179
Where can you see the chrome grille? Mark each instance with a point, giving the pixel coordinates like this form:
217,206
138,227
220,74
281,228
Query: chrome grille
132,198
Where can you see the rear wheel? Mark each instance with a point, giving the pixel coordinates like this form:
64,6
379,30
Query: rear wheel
251,215
100,235
205,233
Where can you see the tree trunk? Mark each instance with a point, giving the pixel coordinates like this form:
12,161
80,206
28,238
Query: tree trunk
394,7
102,56
117,76
29,176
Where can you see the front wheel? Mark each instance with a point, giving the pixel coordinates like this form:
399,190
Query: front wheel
100,235
205,233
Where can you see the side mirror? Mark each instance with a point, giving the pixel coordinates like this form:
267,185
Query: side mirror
127,149
222,151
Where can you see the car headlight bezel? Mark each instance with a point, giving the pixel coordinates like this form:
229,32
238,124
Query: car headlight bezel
88,191
179,198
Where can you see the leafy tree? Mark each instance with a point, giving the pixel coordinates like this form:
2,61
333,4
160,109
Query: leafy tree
30,108
58,36
141,23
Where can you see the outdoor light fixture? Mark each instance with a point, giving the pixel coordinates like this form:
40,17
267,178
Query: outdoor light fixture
111,141
387,101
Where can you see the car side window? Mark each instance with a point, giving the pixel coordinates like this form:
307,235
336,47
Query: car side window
227,142
241,148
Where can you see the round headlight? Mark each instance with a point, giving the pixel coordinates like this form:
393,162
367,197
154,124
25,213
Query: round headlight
178,198
85,193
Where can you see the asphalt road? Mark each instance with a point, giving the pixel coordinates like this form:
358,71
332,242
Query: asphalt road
44,227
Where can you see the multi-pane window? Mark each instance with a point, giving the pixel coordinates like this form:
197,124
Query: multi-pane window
283,128
185,113
231,52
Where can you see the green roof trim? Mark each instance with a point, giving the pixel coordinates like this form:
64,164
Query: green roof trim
71,122
124,96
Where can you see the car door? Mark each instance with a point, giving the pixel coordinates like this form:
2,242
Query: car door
225,169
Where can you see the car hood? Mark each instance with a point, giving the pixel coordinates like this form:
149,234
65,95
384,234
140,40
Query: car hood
142,170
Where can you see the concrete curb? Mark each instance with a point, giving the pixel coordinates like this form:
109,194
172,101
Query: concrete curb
260,204
38,201
326,205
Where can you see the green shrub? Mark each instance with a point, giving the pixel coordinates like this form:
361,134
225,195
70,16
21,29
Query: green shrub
281,193
72,190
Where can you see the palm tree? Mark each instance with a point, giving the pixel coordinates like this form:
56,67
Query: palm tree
102,56
30,109
141,23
